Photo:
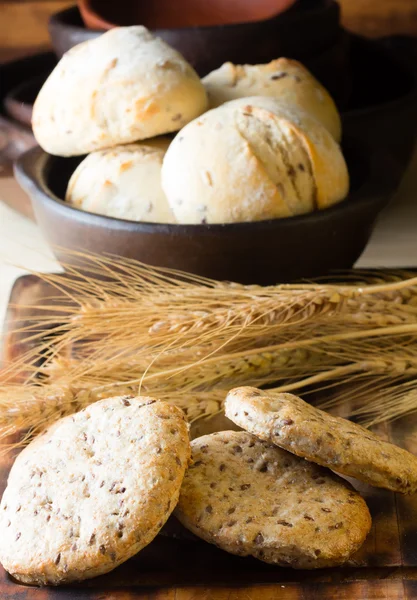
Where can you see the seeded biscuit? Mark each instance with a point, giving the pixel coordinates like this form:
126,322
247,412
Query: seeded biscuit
249,497
343,446
93,490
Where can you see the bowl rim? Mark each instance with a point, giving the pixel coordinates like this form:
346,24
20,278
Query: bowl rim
332,4
384,174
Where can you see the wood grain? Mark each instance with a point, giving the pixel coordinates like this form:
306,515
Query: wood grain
172,569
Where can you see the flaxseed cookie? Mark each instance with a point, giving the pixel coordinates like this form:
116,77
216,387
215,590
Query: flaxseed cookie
249,497
343,446
93,490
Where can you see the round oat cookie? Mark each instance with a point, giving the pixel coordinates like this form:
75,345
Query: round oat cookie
93,490
249,497
343,446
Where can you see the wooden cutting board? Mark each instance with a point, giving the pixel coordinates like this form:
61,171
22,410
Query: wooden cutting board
172,569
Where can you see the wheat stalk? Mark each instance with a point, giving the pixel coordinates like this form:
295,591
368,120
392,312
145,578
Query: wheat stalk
189,339
31,409
128,312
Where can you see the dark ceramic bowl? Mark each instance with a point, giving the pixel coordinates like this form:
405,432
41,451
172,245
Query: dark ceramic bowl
263,252
306,30
18,103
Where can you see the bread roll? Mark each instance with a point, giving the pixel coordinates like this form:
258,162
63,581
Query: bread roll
123,86
123,182
286,80
252,159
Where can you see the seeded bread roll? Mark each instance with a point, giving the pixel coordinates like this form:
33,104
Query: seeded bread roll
123,86
123,182
252,159
284,79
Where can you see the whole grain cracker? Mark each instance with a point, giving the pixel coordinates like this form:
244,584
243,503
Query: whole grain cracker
92,490
251,498
334,442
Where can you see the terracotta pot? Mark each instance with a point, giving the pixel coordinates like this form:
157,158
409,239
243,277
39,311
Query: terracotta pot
166,14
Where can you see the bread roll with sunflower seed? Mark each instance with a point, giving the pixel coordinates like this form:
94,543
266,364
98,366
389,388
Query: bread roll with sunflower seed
286,80
252,159
121,87
123,182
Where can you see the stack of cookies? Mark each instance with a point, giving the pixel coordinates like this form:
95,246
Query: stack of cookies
268,148
97,487
271,491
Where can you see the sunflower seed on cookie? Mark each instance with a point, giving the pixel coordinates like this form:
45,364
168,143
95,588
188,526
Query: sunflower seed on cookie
249,497
92,490
334,442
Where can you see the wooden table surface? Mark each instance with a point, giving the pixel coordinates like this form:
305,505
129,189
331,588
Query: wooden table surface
170,569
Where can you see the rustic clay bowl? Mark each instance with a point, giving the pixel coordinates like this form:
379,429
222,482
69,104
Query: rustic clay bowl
165,14
264,252
293,33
